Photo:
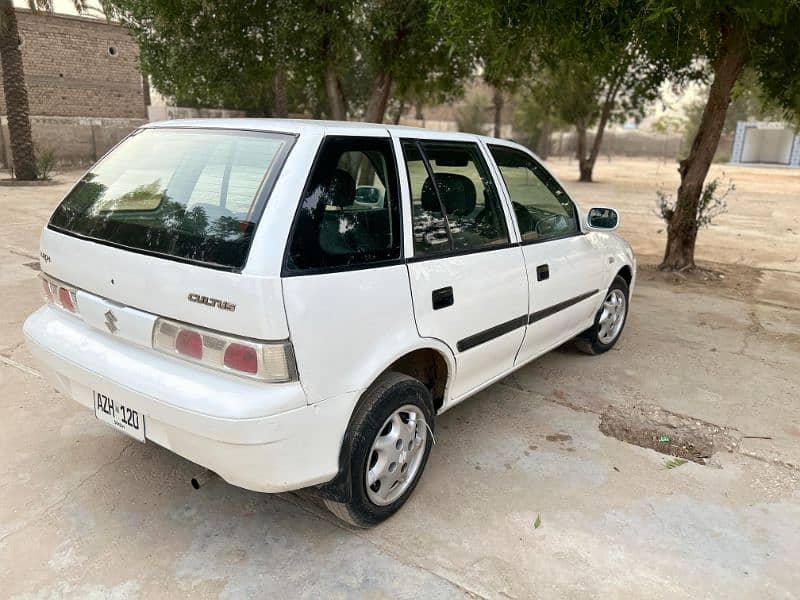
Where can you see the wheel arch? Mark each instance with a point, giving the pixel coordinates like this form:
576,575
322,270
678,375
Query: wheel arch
430,361
626,273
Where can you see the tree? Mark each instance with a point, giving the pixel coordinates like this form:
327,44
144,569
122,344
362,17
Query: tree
354,55
618,86
585,59
14,89
725,36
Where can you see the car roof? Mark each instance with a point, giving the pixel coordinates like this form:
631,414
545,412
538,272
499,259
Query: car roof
301,126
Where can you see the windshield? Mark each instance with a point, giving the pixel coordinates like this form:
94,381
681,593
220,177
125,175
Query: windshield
190,194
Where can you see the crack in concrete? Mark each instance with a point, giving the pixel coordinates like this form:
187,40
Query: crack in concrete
50,508
21,252
295,500
10,362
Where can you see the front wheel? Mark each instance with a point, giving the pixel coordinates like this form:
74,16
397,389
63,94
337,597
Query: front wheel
391,437
608,322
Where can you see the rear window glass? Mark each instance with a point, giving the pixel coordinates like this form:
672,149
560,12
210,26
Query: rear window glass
191,194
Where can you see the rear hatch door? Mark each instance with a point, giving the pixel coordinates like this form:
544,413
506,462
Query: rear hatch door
163,226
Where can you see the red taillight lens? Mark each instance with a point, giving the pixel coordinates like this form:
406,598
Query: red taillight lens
65,299
189,343
241,358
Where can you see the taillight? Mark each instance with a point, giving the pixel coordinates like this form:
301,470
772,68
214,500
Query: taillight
190,343
268,361
46,291
241,358
59,294
65,300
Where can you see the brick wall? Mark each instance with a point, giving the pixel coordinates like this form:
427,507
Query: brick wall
79,67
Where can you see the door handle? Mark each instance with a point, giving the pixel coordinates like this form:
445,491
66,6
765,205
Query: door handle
442,298
542,272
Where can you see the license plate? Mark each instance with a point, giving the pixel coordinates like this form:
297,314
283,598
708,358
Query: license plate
124,418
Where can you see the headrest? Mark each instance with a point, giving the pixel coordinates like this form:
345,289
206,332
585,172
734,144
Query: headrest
457,192
341,189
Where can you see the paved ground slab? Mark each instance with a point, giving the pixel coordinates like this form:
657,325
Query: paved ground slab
85,512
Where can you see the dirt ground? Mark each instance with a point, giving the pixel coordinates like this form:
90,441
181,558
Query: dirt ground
85,512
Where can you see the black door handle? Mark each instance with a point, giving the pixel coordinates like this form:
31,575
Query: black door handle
442,298
542,272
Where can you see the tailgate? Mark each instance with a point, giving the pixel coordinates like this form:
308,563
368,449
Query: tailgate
163,287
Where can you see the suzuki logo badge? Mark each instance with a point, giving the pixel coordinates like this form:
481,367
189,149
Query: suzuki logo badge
111,321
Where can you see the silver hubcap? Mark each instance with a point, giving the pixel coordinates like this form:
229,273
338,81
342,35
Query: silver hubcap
396,455
612,316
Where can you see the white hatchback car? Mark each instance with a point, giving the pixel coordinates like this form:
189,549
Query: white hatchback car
291,304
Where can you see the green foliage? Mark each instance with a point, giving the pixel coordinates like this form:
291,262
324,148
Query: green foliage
471,117
201,54
675,463
712,202
687,34
576,63
45,162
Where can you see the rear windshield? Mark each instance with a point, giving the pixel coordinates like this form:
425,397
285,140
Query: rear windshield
189,194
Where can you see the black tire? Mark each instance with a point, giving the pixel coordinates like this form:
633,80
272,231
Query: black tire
389,393
588,341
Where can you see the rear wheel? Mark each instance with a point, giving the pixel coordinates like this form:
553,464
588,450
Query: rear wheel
608,322
391,437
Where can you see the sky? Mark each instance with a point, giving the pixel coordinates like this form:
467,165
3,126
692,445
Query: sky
65,7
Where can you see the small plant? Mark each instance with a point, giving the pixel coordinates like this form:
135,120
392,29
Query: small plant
711,205
675,463
45,163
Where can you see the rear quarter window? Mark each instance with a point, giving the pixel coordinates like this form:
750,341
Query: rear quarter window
188,194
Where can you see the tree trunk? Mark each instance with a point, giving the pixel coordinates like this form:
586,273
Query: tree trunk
146,91
399,114
336,101
543,143
378,98
498,102
580,152
281,109
587,165
333,89
16,94
682,225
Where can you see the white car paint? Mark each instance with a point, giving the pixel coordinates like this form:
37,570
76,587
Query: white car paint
346,327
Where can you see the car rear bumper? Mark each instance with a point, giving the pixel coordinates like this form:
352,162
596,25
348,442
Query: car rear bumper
258,436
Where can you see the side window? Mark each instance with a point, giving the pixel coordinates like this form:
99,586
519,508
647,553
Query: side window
454,202
542,208
349,212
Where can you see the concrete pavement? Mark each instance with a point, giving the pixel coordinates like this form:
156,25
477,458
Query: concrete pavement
86,512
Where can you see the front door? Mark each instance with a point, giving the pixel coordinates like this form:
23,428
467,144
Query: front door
467,279
563,266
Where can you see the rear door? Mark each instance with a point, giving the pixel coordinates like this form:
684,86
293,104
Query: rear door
345,283
467,274
564,268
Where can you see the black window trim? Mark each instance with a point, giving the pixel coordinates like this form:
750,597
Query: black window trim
287,271
432,177
451,252
258,207
550,183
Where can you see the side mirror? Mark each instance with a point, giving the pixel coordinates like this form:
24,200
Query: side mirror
604,219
